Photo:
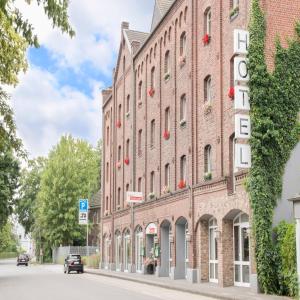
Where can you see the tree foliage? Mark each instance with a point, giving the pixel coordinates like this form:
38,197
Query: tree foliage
29,188
8,240
71,173
275,104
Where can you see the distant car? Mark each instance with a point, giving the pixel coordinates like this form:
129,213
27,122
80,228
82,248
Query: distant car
73,263
23,259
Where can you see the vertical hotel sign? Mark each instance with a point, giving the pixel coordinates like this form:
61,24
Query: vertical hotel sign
241,100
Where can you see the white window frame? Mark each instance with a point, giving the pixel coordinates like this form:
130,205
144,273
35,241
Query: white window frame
212,228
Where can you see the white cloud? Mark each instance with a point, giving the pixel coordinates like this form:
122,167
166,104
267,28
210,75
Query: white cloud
44,112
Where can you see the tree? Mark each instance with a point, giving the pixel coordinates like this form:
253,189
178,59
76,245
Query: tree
71,173
8,240
29,189
9,174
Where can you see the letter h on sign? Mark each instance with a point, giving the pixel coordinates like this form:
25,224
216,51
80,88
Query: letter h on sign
241,41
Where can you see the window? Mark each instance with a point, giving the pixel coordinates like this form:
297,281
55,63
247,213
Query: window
232,71
127,148
119,112
128,104
107,135
180,19
119,197
207,89
213,250
152,135
140,142
207,18
183,168
140,90
155,50
106,203
234,4
124,64
151,52
170,33
167,175
140,184
152,182
167,62
127,187
167,119
185,14
152,78
119,153
183,44
183,108
207,159
107,171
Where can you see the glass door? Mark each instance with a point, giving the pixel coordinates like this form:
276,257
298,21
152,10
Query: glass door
106,253
213,251
186,250
126,251
139,251
118,253
241,251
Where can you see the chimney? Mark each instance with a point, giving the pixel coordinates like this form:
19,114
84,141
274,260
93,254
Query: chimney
125,25
106,94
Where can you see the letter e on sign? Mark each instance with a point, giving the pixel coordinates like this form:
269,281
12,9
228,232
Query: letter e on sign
241,41
242,126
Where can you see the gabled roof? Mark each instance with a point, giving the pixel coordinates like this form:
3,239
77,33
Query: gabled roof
135,36
160,9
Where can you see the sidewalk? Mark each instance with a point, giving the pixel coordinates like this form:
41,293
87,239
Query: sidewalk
204,289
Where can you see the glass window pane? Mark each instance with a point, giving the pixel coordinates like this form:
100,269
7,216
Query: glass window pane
237,273
211,244
246,274
244,218
212,271
236,243
216,247
245,244
216,271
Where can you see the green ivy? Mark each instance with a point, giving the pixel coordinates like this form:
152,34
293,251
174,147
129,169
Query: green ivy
275,104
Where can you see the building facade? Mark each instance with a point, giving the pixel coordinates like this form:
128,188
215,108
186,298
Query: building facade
169,132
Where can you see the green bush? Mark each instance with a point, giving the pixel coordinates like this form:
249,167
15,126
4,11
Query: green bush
5,255
287,261
91,261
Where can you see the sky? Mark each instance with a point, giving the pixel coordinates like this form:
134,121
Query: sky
61,90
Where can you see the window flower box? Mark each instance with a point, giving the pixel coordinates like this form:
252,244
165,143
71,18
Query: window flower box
166,134
182,61
206,39
182,184
126,161
182,123
166,190
151,92
167,76
127,114
207,108
231,93
234,12
118,165
118,124
207,176
151,196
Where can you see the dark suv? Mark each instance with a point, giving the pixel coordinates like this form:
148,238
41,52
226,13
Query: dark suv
23,260
73,263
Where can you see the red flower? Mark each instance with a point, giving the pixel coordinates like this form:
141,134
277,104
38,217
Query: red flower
231,93
206,39
126,161
151,92
118,124
166,134
181,184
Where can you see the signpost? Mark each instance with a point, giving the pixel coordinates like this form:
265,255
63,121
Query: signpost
134,197
84,218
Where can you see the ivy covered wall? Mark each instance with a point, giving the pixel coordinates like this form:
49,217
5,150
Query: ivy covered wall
275,105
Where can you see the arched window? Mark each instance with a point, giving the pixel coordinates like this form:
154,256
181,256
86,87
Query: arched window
152,78
139,242
118,249
207,20
107,135
170,33
124,63
120,113
128,104
152,134
119,153
140,90
151,52
140,142
152,181
127,148
185,14
167,119
167,62
213,250
167,175
207,89
183,168
180,19
207,160
119,197
165,38
183,44
155,50
183,108
140,184
127,250
107,171
106,203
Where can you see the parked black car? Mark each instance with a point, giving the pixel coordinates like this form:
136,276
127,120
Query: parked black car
23,259
73,263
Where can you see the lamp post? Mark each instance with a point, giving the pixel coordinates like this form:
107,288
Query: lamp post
296,213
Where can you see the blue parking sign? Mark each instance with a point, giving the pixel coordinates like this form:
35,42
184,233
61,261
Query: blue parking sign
83,205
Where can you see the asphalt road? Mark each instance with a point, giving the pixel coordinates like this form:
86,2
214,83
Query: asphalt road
48,282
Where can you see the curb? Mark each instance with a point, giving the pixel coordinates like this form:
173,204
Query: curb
175,288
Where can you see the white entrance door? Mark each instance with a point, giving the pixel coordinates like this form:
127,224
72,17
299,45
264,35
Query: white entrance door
241,250
139,250
118,252
186,249
106,253
126,251
213,251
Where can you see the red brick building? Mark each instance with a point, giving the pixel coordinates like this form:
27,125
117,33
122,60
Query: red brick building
168,132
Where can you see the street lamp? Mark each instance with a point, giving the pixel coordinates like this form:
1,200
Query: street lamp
296,213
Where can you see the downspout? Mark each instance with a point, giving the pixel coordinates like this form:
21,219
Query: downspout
221,89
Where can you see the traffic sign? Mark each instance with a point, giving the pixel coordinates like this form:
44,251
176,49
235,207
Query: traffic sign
83,211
